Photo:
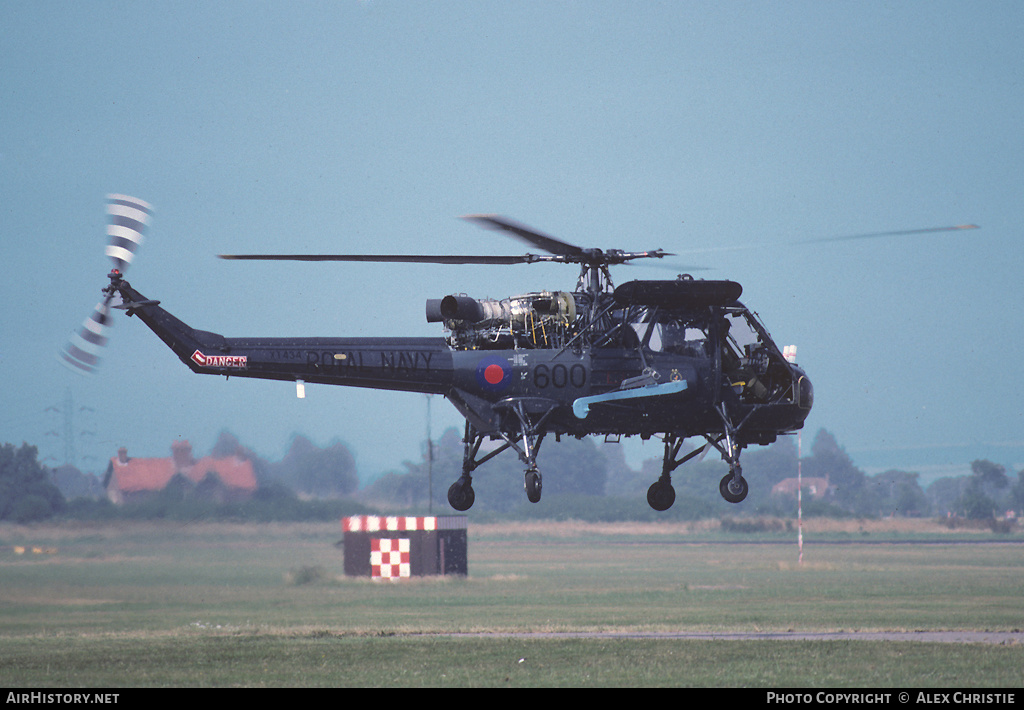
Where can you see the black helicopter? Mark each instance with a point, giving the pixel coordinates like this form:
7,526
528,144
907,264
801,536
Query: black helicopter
674,359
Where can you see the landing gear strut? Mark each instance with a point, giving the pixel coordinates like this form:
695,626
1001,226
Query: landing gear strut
661,495
733,487
531,415
461,495
526,443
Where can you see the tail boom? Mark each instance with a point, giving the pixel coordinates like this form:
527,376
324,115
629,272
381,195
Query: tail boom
402,364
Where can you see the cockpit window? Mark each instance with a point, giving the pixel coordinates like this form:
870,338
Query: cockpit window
750,364
672,333
741,333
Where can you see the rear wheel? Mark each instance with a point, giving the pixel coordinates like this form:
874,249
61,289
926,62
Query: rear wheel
661,495
461,495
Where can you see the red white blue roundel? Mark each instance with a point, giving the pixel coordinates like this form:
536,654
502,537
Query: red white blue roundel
493,373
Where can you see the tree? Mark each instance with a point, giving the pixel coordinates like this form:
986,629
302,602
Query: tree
26,493
944,494
993,482
1017,494
974,504
987,479
227,444
574,466
829,460
622,480
323,473
899,493
764,467
989,475
772,464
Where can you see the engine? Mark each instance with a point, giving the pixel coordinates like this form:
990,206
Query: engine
534,320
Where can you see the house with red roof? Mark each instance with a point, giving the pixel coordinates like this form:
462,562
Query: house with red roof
130,480
815,487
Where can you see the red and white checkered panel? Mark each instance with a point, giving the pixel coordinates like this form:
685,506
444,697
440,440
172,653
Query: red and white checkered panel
389,558
390,523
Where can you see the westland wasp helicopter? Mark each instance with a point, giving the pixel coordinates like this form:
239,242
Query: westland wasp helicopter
674,359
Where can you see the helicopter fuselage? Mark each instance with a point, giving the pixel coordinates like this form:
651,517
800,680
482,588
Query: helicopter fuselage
578,391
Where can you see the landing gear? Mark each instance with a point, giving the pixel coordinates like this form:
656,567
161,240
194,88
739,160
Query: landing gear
526,442
461,495
733,486
533,485
661,495
531,414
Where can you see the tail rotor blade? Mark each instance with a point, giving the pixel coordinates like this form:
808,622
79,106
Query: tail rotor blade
82,352
129,217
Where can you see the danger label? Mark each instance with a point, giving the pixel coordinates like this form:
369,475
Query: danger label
235,361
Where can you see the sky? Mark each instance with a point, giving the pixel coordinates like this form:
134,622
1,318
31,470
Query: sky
726,132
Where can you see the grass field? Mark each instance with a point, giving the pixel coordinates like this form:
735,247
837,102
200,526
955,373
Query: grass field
246,605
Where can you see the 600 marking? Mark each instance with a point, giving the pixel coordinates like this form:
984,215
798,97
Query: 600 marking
559,376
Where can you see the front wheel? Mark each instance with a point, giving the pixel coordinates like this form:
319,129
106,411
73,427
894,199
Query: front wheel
733,488
533,486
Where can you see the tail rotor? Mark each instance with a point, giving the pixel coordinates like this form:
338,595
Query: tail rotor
128,219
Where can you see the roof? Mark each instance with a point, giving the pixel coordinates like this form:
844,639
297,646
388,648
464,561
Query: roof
141,474
233,471
817,487
148,474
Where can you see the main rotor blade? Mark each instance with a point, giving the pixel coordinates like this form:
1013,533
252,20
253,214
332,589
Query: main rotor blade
825,240
531,236
899,233
392,258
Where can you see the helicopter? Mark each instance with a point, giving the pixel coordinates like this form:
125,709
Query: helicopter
672,359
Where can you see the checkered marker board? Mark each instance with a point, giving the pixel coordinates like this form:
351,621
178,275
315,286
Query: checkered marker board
393,523
389,558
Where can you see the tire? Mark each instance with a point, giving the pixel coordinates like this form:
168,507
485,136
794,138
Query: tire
731,490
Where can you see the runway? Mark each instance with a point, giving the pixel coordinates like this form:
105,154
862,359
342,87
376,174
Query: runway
1002,638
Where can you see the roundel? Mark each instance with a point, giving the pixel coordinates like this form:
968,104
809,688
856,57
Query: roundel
493,373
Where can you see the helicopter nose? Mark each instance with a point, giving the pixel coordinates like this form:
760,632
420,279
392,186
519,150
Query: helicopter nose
804,392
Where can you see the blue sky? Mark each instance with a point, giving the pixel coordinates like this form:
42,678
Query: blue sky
372,126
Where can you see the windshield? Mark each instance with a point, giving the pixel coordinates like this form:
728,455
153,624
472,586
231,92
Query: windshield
664,331
687,333
741,333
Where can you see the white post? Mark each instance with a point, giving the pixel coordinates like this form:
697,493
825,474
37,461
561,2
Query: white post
799,500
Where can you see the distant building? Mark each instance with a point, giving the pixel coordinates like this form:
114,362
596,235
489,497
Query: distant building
72,483
815,487
130,480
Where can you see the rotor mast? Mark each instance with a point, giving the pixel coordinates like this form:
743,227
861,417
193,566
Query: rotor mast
594,275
